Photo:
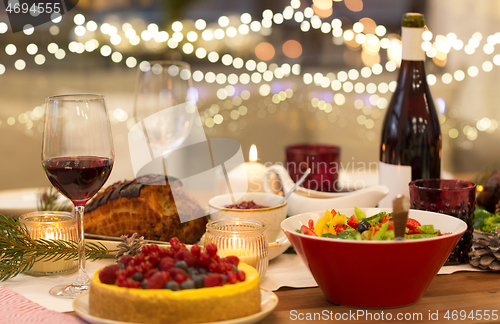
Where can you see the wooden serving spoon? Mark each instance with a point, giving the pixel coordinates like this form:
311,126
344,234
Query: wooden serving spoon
400,208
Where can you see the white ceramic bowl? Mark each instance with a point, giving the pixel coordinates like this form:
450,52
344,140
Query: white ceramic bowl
271,216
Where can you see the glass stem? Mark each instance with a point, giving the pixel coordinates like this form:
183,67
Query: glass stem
82,279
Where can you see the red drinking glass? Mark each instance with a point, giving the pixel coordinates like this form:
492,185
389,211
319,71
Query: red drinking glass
321,158
451,197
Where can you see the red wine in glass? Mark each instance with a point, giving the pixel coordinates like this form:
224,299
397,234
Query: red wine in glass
78,178
77,156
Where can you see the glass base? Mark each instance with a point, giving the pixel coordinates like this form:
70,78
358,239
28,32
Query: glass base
71,291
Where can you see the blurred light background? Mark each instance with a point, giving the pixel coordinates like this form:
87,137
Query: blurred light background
270,73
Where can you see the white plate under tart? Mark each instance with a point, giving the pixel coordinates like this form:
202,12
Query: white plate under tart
268,301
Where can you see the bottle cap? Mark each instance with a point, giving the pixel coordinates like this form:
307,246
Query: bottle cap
413,19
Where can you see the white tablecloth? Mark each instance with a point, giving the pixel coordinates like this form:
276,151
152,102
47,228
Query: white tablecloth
287,270
37,288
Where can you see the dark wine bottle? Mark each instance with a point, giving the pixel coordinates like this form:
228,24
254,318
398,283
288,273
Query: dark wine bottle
410,147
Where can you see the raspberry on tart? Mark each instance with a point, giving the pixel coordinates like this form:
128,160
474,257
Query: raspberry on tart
160,285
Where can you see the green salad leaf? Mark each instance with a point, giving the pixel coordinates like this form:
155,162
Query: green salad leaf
485,221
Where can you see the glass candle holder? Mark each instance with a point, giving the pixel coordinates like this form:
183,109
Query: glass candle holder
51,225
244,238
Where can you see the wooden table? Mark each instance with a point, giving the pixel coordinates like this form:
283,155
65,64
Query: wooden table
469,291
475,292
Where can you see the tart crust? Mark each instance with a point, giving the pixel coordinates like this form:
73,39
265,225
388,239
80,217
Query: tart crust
185,306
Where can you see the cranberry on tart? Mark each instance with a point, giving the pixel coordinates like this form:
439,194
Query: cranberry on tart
175,284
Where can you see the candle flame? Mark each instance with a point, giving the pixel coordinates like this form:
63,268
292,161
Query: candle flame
252,156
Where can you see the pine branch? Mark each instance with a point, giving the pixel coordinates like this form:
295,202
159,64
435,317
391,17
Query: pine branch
18,251
48,200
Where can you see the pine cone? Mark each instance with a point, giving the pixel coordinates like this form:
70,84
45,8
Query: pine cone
129,245
487,254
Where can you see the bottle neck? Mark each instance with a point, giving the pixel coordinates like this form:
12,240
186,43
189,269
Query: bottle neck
412,77
412,44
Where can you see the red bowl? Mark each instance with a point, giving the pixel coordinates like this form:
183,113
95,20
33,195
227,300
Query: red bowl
374,274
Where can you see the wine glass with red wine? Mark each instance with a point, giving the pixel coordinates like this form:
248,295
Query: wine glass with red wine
77,155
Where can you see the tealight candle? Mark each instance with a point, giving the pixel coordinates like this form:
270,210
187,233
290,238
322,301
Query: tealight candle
244,238
51,225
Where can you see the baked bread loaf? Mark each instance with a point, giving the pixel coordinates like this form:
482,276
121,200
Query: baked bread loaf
146,206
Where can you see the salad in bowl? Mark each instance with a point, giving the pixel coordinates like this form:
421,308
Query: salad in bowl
360,227
344,254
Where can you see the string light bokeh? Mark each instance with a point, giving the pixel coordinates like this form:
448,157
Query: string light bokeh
274,86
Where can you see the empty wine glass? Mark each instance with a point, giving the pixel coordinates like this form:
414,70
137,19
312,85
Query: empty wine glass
165,101
77,155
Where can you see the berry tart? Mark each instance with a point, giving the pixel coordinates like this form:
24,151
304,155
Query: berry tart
175,284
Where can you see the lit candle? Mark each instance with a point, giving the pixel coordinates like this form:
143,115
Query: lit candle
252,172
50,226
244,238
255,171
